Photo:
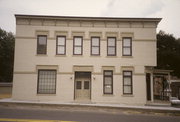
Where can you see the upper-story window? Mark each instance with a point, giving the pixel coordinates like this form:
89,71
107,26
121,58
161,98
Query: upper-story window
61,45
111,46
127,46
41,44
95,45
78,45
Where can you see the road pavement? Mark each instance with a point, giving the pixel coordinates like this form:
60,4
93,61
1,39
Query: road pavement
21,114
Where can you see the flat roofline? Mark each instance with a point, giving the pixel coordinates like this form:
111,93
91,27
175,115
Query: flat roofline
87,18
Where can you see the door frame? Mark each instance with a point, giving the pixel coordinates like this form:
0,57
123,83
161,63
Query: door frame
90,84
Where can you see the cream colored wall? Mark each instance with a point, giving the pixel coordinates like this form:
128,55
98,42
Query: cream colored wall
25,88
143,50
139,33
138,97
26,60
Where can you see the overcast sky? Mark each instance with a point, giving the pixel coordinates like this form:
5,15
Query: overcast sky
169,10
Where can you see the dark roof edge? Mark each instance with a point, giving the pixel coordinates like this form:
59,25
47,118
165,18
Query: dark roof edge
87,18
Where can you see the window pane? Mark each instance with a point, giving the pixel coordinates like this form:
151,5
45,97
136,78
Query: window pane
41,49
111,50
77,50
126,51
41,46
61,40
42,40
111,42
95,41
61,50
86,84
127,89
78,84
126,42
127,81
127,73
77,41
47,82
95,50
108,80
108,73
108,89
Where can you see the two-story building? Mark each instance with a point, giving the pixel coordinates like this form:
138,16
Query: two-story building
84,59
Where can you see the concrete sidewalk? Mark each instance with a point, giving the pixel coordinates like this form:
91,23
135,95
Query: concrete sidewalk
149,108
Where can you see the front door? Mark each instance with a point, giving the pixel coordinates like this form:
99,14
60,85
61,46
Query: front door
82,89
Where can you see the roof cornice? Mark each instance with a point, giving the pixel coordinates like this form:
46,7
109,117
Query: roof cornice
78,18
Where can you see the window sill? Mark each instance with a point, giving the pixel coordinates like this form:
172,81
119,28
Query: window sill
127,95
108,95
95,56
77,55
126,56
42,55
60,56
46,94
111,56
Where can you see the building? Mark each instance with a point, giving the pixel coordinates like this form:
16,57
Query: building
84,59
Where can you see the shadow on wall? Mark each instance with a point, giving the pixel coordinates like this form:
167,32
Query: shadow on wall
5,90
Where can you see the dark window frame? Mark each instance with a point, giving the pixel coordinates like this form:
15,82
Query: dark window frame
129,47
111,46
60,46
38,80
38,45
111,76
77,46
95,46
131,77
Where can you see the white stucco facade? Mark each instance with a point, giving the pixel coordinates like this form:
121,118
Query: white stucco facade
28,62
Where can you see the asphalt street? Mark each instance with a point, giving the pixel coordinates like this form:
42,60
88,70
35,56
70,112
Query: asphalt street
81,116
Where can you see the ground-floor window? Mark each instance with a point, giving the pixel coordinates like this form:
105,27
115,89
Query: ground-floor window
46,82
127,82
108,82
